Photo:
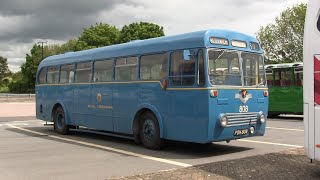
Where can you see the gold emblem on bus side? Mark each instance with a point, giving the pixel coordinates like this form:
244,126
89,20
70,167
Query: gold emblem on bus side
243,96
99,97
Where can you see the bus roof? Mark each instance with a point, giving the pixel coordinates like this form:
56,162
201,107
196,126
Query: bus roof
197,39
283,65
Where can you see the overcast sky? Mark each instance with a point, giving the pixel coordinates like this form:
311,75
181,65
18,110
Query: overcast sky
23,23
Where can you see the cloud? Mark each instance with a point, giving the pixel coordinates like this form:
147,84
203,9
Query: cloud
23,23
57,19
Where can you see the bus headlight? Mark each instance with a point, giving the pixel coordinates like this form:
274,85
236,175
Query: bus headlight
223,120
262,117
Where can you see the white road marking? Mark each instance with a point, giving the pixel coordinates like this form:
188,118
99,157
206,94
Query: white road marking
107,148
286,129
14,124
270,143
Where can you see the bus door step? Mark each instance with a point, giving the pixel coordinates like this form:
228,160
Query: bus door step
48,124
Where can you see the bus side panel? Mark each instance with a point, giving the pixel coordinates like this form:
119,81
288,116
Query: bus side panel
124,105
308,131
40,102
286,99
101,107
154,97
65,97
51,98
187,116
81,101
317,132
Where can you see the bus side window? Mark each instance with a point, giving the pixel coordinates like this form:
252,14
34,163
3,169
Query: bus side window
83,72
126,69
286,77
182,72
153,67
269,77
71,76
103,71
298,76
65,74
53,75
201,76
277,77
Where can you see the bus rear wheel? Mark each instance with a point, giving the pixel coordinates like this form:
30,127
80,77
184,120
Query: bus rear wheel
60,125
150,131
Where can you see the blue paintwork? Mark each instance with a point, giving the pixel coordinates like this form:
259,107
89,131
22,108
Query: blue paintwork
183,114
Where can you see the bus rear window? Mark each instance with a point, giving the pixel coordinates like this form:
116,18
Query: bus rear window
42,76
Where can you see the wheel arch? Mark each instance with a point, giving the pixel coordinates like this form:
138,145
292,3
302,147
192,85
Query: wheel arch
60,104
136,120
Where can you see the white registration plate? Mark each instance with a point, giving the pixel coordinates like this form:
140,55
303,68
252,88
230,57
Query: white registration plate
240,132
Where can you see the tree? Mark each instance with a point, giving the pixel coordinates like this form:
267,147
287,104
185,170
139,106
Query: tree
26,84
4,69
283,40
142,30
99,35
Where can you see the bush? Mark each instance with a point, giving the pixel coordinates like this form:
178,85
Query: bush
4,89
21,86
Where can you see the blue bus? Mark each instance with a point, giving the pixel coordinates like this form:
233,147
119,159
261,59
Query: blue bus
200,87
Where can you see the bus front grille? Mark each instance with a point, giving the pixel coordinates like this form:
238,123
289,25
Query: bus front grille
239,119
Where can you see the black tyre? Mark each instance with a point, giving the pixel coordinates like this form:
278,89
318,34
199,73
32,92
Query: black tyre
150,131
60,125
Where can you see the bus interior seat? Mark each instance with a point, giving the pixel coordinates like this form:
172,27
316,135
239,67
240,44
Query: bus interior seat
233,79
284,83
276,82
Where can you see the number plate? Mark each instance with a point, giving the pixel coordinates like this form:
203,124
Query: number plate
240,132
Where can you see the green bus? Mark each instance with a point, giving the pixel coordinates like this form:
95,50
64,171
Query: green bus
285,83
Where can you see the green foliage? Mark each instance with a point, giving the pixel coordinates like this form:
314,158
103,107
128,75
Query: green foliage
283,40
4,89
99,35
4,69
142,30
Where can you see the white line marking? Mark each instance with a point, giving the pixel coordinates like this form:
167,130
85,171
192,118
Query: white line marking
13,124
107,148
287,129
271,143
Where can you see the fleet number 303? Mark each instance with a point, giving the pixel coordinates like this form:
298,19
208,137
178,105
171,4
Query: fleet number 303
243,108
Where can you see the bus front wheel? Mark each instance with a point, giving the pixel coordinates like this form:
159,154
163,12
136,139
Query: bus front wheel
60,124
150,131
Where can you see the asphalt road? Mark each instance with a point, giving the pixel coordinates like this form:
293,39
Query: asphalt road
30,150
